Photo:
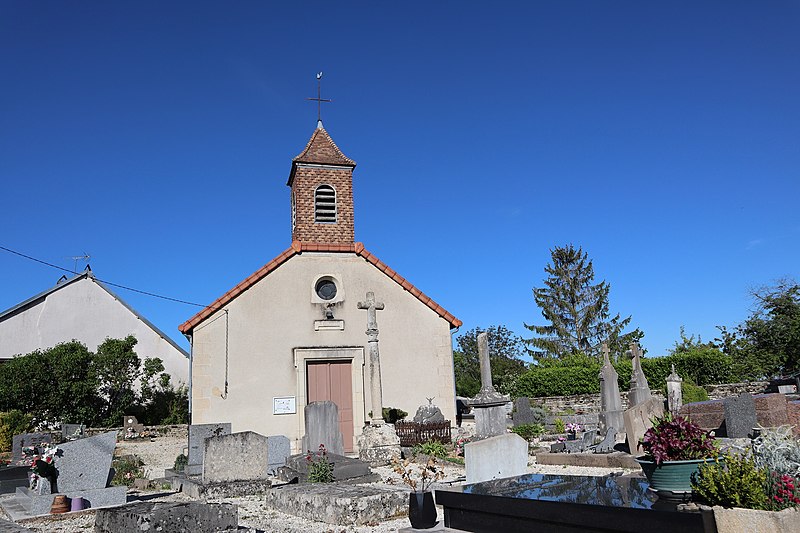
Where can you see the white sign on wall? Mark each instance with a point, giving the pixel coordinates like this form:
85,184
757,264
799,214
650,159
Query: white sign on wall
284,405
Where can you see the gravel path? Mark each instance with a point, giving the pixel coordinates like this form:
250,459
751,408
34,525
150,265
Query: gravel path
160,453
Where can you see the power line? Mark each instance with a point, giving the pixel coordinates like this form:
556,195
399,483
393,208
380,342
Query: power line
154,295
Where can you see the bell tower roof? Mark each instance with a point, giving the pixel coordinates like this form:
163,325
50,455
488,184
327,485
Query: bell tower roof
320,150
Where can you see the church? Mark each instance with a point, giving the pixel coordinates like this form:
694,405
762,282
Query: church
293,332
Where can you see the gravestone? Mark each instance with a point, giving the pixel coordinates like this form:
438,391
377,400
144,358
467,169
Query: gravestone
580,445
428,413
522,413
322,427
674,392
198,433
73,431
278,450
378,445
607,444
235,457
638,420
740,416
27,439
496,457
173,517
640,389
610,401
131,426
488,405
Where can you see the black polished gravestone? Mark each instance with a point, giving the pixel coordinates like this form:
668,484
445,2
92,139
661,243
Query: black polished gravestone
554,503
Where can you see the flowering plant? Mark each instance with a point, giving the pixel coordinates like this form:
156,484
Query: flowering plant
40,459
676,439
784,491
428,473
459,445
573,428
320,470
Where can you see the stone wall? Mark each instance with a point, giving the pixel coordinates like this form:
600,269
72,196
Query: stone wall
725,390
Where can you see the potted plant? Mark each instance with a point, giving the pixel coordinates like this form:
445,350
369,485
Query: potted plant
674,450
421,508
572,430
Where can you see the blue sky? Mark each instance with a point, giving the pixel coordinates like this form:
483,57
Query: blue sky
660,137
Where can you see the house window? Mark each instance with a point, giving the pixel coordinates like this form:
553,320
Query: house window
324,204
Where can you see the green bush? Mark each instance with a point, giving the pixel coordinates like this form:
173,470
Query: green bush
393,414
693,393
557,381
734,481
433,448
126,469
528,431
560,426
180,463
12,423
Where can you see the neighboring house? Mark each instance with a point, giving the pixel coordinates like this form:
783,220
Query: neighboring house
83,309
293,332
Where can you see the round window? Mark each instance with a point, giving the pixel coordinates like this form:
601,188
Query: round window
326,289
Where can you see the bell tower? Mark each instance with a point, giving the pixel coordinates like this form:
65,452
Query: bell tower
321,182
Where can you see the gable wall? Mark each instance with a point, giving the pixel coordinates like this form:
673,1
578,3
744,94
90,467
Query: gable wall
85,312
276,316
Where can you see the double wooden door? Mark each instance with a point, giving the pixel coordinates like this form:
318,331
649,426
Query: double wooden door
332,380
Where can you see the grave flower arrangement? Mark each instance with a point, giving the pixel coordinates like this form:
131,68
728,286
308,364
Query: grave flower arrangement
573,428
421,480
674,438
40,458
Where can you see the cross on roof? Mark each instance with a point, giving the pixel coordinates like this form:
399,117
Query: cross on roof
319,98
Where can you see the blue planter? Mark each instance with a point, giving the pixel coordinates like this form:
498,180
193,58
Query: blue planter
671,476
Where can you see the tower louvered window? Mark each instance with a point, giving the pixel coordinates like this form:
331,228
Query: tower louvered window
325,204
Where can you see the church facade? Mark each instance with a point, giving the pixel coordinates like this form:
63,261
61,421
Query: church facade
293,332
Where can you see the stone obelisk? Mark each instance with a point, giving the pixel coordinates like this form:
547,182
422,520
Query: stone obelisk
489,405
674,392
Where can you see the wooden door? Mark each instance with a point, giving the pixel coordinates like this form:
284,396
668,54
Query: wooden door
332,380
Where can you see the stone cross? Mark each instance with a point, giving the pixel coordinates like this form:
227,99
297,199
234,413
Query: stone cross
374,357
610,401
640,390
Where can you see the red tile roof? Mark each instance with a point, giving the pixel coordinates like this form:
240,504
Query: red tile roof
322,150
298,248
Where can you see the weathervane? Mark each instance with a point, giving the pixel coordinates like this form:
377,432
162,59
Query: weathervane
319,98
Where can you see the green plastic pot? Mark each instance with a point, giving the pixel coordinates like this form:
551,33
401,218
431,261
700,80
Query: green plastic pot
671,476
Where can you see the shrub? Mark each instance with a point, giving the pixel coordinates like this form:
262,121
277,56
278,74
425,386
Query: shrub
557,381
432,448
560,426
778,451
12,423
393,414
734,481
528,431
320,470
180,463
126,469
693,393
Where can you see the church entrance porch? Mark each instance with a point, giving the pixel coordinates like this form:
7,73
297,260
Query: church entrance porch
335,374
332,380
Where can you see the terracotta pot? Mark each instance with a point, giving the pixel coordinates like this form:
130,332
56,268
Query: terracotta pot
421,510
60,505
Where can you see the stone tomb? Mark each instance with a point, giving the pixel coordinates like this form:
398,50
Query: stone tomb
496,457
84,468
172,517
27,439
772,410
198,433
740,416
344,469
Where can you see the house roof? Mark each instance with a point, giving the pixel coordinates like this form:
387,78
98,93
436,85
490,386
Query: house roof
298,248
86,274
321,150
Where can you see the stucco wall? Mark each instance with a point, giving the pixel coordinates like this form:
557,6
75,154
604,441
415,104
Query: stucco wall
271,320
84,311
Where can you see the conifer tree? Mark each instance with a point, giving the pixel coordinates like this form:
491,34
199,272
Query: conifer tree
576,311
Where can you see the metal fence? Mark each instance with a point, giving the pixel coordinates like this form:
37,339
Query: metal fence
412,433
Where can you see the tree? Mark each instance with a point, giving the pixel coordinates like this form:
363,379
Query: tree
505,349
767,344
117,368
576,310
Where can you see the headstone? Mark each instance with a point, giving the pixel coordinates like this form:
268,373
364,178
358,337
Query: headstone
73,431
378,445
376,390
638,420
610,401
235,457
177,517
640,390
608,442
557,447
279,449
674,392
580,445
131,426
740,416
488,405
322,427
198,433
428,413
24,440
85,464
522,413
496,457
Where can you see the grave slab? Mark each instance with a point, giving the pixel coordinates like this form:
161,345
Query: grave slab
198,433
279,449
174,517
236,457
344,468
11,527
496,457
740,416
84,464
340,504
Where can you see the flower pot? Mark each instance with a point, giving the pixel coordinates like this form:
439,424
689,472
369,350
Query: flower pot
77,504
671,476
421,510
60,505
572,435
